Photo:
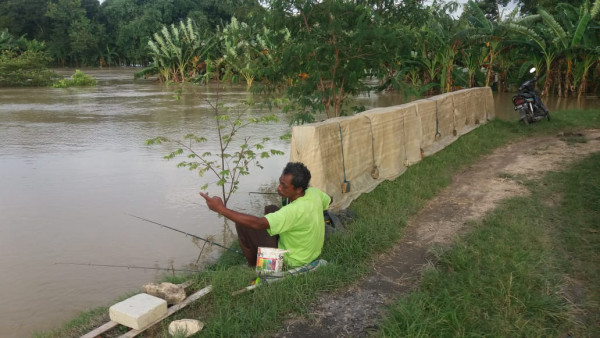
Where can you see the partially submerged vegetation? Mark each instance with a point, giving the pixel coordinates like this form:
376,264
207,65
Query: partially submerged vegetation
25,69
24,63
523,281
79,79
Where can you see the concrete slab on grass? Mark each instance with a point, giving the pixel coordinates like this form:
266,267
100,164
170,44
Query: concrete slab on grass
138,311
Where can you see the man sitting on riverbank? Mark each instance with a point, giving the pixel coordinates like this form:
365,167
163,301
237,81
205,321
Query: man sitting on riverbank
297,226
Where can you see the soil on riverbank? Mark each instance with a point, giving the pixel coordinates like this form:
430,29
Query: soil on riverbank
353,312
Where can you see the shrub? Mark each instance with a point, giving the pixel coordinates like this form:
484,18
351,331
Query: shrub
79,79
27,69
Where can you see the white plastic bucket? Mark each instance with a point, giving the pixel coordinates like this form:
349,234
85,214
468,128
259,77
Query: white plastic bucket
269,260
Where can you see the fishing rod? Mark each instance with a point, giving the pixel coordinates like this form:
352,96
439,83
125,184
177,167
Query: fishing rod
128,267
188,234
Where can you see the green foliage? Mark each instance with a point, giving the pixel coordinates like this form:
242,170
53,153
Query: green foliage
247,50
75,37
146,72
320,53
131,23
178,53
79,79
233,158
568,41
26,69
9,42
335,45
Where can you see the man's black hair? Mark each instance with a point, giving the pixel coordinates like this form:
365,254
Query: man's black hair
300,174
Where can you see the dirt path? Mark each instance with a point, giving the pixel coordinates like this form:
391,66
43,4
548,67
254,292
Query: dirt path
475,191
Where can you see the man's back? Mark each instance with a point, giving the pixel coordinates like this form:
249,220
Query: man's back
300,226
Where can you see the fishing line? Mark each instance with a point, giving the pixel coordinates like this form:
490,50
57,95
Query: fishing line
188,234
128,266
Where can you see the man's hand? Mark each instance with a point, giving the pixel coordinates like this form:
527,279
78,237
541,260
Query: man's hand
214,203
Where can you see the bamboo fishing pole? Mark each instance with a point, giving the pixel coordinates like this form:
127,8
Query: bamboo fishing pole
188,234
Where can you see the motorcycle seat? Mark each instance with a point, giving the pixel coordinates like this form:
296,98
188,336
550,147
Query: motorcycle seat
526,95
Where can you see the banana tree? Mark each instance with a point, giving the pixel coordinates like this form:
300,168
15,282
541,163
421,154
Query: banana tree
488,32
438,41
240,49
536,36
438,49
162,53
177,51
561,40
431,64
569,32
590,58
472,58
589,51
425,45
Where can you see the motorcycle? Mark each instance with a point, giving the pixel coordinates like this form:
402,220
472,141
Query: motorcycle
527,102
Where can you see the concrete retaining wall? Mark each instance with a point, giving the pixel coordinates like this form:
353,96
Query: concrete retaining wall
379,144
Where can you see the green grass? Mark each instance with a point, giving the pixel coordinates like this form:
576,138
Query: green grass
381,216
521,271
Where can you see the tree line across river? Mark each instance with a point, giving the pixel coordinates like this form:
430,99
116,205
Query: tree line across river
316,54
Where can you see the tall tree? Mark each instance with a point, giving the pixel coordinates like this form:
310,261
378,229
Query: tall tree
491,8
25,17
75,37
530,6
335,43
131,23
62,14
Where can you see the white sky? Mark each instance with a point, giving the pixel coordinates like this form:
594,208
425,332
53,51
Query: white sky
506,9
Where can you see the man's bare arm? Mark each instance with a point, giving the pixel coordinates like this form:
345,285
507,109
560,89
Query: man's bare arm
216,204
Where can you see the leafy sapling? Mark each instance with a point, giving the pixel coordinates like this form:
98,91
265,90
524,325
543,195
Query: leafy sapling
234,156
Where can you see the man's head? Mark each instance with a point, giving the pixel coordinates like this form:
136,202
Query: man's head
294,180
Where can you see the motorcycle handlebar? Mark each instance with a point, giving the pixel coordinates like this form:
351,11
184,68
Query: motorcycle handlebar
528,83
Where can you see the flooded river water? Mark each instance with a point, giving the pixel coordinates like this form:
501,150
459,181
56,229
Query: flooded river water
74,166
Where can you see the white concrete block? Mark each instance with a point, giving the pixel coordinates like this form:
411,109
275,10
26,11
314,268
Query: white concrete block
138,311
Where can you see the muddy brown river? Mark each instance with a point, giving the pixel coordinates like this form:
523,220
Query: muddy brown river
74,167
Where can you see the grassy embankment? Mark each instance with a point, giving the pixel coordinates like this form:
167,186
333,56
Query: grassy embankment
501,279
531,268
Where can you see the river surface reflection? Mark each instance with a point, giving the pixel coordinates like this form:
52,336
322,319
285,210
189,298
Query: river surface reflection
74,166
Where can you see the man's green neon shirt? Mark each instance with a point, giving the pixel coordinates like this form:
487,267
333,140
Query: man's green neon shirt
301,227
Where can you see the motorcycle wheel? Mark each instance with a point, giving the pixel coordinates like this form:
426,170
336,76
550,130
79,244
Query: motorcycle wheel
524,118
